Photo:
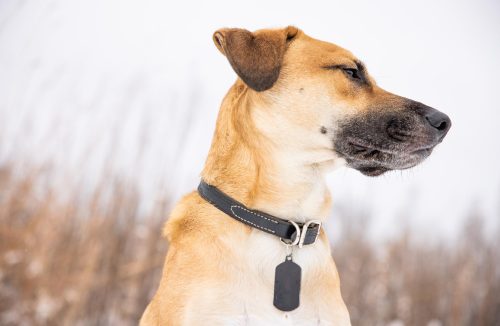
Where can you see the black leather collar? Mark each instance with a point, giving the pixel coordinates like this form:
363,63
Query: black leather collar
289,232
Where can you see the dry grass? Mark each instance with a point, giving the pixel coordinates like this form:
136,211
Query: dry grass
409,281
96,261
81,262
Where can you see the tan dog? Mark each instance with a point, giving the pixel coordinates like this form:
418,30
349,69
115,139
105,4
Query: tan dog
300,107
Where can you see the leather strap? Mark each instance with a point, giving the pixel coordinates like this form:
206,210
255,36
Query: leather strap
290,232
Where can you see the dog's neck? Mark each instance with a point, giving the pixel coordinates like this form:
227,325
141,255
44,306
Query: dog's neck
250,168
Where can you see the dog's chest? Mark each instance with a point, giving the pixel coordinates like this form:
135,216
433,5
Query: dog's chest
255,307
259,310
248,298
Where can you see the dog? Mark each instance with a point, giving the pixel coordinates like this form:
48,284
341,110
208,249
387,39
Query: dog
299,108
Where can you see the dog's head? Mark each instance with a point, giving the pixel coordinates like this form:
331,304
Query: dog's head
318,98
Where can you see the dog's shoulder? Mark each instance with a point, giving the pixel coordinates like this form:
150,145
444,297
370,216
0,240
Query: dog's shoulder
186,217
194,219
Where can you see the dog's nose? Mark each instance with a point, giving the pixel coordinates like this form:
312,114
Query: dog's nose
440,121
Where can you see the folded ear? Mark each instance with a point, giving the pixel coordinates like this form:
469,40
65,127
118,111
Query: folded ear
255,57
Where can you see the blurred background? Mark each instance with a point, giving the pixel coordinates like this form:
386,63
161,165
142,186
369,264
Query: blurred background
107,109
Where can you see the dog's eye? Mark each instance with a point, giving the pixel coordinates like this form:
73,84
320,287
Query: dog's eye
351,73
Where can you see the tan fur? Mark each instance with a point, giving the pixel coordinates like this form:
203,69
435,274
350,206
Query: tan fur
267,152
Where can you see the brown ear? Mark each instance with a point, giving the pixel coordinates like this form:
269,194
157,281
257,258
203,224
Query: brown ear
255,57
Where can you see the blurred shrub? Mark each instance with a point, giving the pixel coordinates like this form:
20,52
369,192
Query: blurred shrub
413,281
78,262
97,260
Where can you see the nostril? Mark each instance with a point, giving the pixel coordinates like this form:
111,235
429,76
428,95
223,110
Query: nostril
442,126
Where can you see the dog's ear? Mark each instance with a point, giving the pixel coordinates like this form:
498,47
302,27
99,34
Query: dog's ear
255,57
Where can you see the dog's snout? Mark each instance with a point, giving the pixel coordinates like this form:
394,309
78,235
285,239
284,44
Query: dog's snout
438,120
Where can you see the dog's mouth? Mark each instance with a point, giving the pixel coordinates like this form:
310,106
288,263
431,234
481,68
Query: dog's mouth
373,171
372,160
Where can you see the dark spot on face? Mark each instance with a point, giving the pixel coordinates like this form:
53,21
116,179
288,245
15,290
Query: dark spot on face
323,130
301,89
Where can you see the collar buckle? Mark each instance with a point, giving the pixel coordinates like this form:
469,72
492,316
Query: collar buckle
300,233
305,228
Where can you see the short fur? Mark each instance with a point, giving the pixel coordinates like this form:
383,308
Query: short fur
278,132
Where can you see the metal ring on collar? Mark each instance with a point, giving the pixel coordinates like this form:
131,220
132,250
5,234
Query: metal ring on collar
297,237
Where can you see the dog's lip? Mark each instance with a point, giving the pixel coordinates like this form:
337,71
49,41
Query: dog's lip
423,151
364,146
373,171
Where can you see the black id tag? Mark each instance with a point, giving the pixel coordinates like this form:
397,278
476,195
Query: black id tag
287,285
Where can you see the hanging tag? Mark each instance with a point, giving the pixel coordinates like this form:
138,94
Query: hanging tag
287,285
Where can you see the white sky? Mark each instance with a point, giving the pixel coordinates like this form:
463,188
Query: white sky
82,81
